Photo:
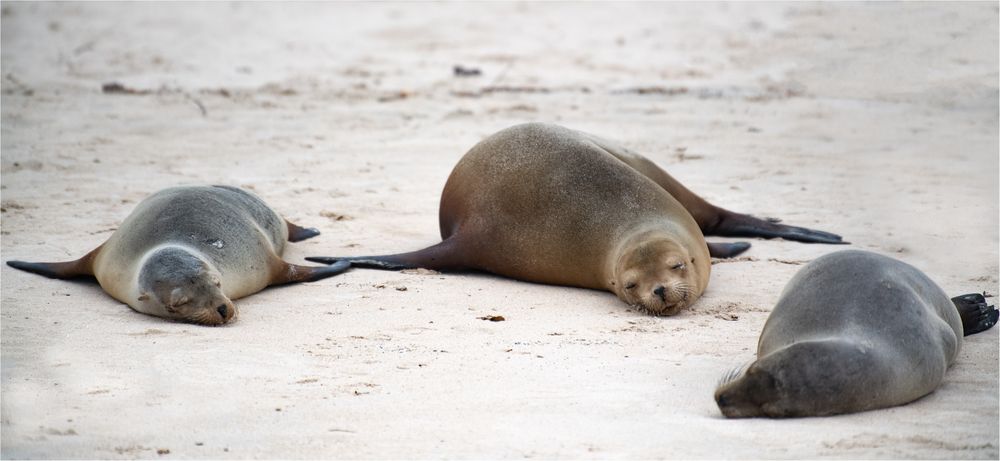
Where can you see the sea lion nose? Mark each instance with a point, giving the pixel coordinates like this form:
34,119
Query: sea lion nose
223,310
660,291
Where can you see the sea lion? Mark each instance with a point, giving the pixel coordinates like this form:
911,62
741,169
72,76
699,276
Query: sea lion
186,252
543,203
852,331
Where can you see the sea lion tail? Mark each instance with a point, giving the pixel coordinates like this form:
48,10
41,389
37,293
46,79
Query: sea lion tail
82,267
733,224
977,316
437,257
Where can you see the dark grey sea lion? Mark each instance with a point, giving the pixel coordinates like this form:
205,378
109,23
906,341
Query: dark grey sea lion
852,331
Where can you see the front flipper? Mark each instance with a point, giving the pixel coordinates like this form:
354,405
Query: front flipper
741,225
294,273
298,233
977,316
727,250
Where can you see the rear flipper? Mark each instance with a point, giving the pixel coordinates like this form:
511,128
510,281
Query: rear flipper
366,262
443,256
294,273
741,225
298,233
82,267
976,315
727,250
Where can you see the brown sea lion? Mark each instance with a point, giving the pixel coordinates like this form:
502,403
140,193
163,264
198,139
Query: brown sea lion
186,252
852,331
543,203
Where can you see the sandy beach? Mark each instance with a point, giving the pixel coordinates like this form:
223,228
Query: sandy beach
878,122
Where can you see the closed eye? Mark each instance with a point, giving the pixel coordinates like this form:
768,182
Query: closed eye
176,307
678,266
630,286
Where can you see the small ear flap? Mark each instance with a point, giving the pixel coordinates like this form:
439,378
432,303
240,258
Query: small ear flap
143,296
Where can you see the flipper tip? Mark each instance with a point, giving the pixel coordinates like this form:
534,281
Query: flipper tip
298,234
727,250
43,269
977,316
331,270
339,266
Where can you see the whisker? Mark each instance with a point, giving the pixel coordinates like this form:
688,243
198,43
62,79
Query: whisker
202,317
734,373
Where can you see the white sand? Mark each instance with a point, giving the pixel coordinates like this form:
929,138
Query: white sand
877,121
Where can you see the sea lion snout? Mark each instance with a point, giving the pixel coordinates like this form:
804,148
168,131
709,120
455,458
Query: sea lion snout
227,312
218,310
747,391
656,274
672,293
734,408
663,296
668,297
223,312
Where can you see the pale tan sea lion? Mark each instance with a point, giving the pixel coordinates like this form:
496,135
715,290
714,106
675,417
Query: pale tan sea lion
853,331
185,253
543,203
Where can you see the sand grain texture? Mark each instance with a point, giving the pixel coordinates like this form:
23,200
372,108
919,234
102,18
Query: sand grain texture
875,121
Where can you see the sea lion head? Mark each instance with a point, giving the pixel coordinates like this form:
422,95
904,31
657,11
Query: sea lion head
174,283
808,378
743,392
656,274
